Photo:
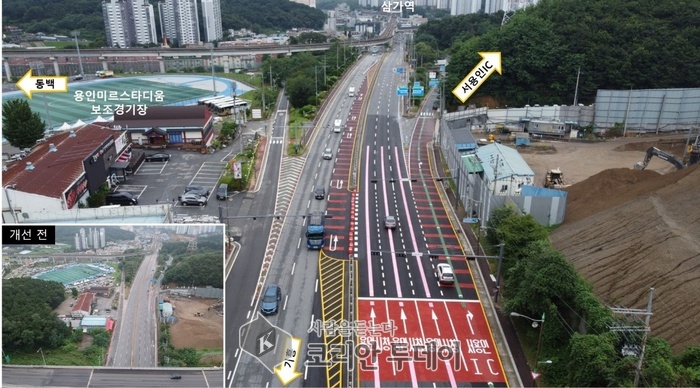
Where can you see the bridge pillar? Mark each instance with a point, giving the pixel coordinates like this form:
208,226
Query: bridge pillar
227,64
8,73
54,61
104,63
161,65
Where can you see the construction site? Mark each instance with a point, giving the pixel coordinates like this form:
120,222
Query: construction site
632,223
200,325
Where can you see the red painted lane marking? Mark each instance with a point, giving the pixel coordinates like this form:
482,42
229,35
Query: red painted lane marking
441,321
391,232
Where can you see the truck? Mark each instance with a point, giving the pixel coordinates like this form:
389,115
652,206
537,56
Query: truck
338,126
351,92
105,73
315,231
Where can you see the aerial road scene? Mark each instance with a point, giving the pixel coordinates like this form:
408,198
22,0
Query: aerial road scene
351,193
111,300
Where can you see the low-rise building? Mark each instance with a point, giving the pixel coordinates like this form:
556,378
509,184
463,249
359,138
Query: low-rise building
83,307
168,125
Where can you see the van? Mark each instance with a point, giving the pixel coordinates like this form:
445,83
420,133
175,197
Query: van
338,124
445,274
121,198
222,192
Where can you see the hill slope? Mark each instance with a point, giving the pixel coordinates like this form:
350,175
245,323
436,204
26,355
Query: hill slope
627,231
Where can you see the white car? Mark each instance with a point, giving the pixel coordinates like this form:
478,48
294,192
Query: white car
445,274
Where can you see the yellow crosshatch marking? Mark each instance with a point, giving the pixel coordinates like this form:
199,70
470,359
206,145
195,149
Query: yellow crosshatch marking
332,280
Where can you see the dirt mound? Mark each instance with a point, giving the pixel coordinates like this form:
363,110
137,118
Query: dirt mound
613,187
626,231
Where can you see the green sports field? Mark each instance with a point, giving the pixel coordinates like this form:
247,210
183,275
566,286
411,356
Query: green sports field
70,274
105,96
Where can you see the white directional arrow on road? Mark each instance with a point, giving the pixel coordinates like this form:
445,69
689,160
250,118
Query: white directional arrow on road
469,320
334,243
372,315
403,318
435,318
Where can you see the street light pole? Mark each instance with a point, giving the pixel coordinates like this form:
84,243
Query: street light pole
77,46
9,203
42,355
498,273
534,324
576,92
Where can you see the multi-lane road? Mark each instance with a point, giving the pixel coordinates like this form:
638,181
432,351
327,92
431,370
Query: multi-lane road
134,341
368,309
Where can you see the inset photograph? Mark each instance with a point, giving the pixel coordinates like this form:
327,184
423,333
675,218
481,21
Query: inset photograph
135,304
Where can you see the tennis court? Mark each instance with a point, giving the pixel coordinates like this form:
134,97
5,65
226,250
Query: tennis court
87,100
70,274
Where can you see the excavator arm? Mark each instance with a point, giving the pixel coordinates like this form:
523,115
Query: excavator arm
653,151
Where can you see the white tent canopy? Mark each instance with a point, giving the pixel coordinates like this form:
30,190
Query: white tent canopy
64,127
99,119
78,124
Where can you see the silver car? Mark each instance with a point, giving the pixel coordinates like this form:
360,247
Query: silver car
327,154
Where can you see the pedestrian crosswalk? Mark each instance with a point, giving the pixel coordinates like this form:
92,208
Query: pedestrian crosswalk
276,140
427,114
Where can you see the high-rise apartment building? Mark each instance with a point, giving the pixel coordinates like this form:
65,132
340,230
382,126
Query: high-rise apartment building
211,19
179,21
129,23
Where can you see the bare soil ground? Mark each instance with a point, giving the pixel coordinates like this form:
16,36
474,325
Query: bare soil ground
627,231
199,332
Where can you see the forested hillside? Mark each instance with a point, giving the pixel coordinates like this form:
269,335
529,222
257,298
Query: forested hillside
63,16
616,44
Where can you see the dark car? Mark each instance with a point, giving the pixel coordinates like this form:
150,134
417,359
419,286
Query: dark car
121,198
159,157
78,77
201,190
192,198
320,193
271,300
222,191
175,376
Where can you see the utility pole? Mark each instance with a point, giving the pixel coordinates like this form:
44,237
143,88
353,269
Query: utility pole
211,59
626,327
316,82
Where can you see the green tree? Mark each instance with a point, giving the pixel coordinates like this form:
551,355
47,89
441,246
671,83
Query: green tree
20,126
592,360
300,90
74,292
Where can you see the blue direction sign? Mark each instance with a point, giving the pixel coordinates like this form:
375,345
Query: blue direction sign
399,70
470,220
416,84
433,82
402,91
418,91
442,68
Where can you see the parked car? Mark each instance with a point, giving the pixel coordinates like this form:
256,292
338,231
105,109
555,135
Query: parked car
320,193
158,157
222,192
192,198
201,190
390,222
271,300
327,154
78,77
121,198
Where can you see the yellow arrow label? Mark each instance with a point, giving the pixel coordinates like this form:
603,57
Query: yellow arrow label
287,370
43,84
491,61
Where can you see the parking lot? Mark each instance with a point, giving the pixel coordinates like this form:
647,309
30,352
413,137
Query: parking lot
164,181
